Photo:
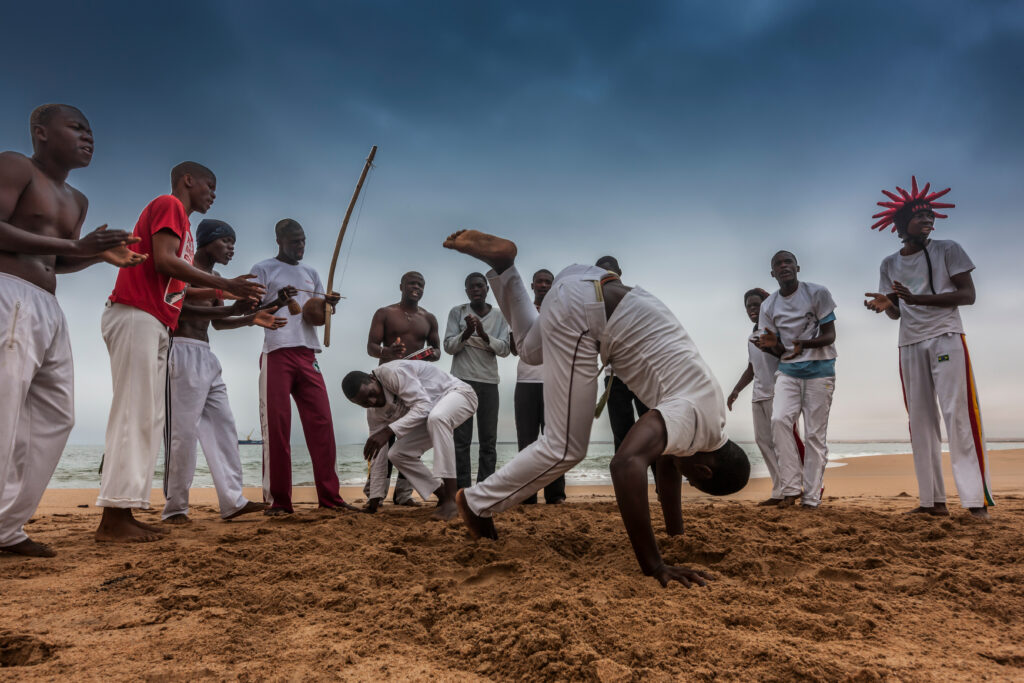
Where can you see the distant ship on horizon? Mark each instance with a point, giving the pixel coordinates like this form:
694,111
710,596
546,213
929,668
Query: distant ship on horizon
249,441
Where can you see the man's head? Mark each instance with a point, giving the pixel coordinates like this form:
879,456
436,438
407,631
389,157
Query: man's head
363,389
476,287
717,473
291,239
411,287
62,133
902,207
784,267
752,300
541,284
197,181
217,239
609,263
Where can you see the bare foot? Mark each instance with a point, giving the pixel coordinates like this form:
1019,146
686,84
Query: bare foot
979,513
409,503
118,526
788,501
805,506
445,511
149,527
276,512
497,252
556,501
478,527
246,509
938,510
180,518
29,548
770,502
340,508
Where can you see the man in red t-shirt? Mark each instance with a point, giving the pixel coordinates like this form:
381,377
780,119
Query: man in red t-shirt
141,311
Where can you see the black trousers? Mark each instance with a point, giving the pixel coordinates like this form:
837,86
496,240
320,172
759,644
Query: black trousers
621,402
487,435
529,404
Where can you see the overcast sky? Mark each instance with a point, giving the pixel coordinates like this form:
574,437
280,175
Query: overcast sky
690,139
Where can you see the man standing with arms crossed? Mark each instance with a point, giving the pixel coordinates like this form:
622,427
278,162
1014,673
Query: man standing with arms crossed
141,312
41,218
395,331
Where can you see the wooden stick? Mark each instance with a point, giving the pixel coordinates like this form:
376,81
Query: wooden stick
341,236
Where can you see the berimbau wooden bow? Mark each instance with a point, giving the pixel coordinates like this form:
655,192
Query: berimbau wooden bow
337,247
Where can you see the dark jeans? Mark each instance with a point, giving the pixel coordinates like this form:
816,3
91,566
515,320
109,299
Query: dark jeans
487,435
529,404
620,413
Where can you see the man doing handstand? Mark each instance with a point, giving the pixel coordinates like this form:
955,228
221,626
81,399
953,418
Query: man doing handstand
588,313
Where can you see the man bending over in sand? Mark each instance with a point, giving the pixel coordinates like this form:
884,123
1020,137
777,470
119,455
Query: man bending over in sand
142,309
41,218
420,406
398,329
589,312
199,408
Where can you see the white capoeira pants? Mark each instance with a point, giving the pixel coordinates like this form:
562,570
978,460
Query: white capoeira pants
137,343
766,443
37,407
199,410
811,398
436,432
940,368
562,337
378,481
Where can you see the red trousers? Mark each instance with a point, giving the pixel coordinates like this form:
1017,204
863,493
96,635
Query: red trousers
285,373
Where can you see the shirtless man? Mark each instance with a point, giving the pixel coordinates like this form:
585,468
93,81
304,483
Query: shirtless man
396,331
589,314
41,219
199,408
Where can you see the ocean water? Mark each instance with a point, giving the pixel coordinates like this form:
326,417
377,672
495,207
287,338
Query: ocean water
79,465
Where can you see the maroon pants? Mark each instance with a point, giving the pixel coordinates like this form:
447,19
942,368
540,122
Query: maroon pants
286,373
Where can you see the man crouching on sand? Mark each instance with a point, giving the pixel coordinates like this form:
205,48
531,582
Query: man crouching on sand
420,405
588,313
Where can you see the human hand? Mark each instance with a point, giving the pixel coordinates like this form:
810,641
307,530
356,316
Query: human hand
332,299
767,341
284,295
666,573
732,399
904,294
878,303
378,440
101,239
123,257
394,351
268,320
798,348
470,327
244,306
245,289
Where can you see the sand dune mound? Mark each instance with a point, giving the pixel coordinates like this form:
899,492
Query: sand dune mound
853,591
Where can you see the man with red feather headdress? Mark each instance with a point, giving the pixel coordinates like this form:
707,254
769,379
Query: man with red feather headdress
923,285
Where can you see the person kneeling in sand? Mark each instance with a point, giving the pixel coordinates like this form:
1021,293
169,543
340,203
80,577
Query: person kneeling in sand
421,405
588,313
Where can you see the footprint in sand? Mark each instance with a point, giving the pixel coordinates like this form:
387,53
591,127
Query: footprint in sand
23,650
840,575
492,573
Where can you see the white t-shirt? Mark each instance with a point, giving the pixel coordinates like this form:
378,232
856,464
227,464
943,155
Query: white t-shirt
529,374
274,275
918,323
765,366
800,316
411,389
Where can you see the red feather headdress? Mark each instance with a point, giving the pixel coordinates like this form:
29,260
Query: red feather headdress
911,202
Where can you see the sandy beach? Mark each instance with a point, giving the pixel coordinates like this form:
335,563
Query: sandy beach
854,591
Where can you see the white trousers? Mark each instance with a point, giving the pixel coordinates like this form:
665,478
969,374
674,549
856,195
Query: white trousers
562,336
436,432
137,343
766,444
811,398
940,368
378,481
37,407
199,410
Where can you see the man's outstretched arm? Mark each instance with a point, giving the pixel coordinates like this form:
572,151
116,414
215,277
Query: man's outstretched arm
642,446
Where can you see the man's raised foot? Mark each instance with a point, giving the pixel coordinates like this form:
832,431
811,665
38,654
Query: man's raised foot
478,527
29,548
249,507
497,252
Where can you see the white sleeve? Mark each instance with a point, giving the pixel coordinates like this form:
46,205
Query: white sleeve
823,304
764,318
957,260
885,278
404,383
262,278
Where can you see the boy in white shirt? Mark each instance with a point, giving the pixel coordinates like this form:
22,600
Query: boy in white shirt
798,323
923,285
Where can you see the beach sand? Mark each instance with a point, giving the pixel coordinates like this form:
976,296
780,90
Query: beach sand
853,591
